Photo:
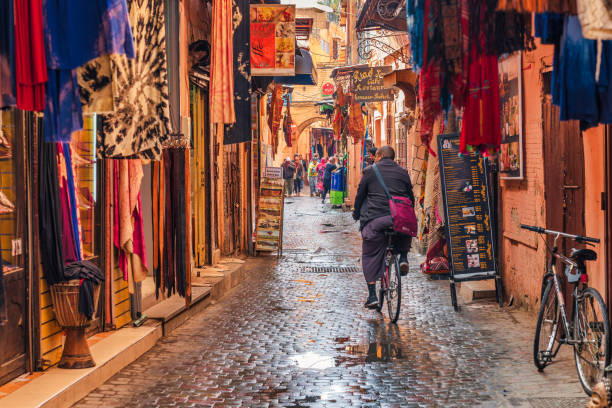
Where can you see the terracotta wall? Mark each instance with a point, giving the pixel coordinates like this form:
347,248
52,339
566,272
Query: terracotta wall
523,202
523,253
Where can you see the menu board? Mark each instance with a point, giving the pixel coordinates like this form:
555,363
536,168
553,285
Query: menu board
468,212
272,40
367,84
269,233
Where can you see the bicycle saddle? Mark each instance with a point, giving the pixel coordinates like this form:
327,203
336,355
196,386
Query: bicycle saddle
583,254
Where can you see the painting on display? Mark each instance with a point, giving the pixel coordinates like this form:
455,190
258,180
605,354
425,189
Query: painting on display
511,107
272,40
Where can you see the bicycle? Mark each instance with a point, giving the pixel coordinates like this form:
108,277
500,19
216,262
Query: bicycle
390,285
589,330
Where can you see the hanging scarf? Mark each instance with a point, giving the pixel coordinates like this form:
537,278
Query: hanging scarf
538,6
30,60
415,28
222,66
49,216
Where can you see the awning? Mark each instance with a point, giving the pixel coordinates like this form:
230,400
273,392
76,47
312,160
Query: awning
404,79
305,70
385,14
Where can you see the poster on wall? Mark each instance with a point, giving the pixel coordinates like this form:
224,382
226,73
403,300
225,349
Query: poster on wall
272,40
467,208
511,107
367,84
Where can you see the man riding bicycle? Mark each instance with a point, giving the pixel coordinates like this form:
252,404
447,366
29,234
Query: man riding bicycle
373,212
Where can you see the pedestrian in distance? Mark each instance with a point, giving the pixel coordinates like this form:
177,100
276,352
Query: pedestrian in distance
288,176
305,167
329,168
312,176
321,175
373,212
299,175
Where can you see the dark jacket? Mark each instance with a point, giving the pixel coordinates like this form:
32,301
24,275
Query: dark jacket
371,201
299,171
288,170
328,172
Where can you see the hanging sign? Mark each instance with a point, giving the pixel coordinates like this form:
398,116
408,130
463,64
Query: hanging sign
327,89
269,232
367,84
465,189
511,104
272,40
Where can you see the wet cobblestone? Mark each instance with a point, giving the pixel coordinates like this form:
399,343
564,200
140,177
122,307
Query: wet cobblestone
294,336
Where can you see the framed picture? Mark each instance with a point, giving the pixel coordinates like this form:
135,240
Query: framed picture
511,111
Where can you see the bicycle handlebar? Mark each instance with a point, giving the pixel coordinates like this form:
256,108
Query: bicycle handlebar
577,238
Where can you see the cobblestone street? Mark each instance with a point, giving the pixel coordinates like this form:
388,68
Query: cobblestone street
297,335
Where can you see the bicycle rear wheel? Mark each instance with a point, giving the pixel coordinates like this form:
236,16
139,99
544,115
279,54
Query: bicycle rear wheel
547,328
394,291
592,331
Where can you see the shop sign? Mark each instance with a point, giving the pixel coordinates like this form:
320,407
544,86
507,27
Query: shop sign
367,84
274,172
465,189
269,231
272,40
511,106
327,89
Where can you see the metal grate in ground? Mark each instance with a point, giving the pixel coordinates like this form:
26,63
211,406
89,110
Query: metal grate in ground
329,269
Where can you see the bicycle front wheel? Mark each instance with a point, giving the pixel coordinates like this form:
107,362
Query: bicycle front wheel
592,333
394,291
547,327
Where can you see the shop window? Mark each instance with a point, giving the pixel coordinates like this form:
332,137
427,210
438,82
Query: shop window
13,243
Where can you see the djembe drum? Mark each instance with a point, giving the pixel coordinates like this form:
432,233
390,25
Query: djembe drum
65,297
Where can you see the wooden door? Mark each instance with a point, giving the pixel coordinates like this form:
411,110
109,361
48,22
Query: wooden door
563,177
231,179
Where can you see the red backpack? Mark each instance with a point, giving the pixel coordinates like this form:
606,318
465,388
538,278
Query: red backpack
402,211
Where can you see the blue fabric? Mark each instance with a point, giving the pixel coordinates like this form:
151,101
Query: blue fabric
604,85
63,113
576,91
77,31
415,12
7,55
549,27
74,220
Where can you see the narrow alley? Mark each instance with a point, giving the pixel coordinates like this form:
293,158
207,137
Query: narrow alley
296,334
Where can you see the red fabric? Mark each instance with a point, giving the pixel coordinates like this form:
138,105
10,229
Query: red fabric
429,95
481,120
30,61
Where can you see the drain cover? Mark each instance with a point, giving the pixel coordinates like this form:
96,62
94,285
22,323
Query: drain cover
330,269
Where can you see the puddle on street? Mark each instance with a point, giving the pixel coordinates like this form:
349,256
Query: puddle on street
367,352
313,361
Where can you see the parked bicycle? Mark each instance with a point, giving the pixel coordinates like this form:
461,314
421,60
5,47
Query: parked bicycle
589,329
390,285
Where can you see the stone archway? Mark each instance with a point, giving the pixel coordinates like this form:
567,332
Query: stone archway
307,123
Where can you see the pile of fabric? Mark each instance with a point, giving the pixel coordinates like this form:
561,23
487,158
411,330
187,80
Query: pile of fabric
455,45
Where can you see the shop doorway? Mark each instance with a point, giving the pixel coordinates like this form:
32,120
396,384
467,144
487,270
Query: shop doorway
15,127
563,174
231,185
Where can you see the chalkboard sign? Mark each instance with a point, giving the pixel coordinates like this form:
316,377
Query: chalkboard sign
469,230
